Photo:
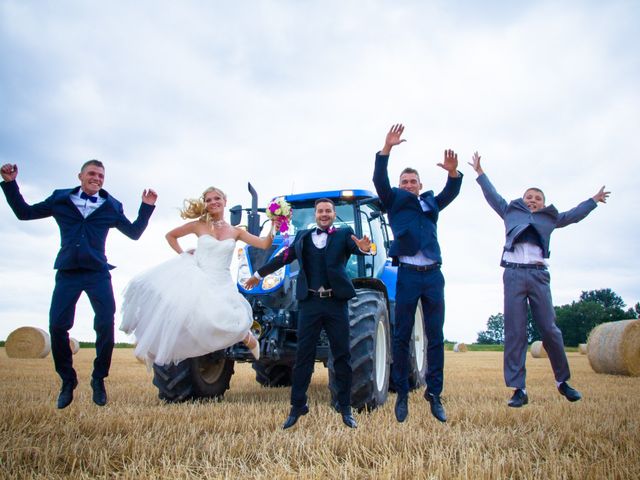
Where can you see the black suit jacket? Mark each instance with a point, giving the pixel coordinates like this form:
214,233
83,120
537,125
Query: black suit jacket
82,240
340,246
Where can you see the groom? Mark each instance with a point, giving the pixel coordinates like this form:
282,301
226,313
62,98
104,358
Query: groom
323,290
84,215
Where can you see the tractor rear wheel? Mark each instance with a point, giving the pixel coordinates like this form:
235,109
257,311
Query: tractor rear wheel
418,352
369,343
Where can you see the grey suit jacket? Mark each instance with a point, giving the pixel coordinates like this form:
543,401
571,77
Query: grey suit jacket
517,216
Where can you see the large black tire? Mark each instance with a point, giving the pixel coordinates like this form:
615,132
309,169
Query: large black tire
369,343
207,376
273,374
418,352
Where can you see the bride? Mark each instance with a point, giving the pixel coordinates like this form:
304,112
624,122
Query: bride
190,306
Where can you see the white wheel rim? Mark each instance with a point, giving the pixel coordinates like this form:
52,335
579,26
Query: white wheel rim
418,338
381,355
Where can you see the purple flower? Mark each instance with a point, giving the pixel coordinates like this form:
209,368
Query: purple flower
331,230
273,207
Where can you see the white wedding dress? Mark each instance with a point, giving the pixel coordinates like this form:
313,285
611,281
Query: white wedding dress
187,306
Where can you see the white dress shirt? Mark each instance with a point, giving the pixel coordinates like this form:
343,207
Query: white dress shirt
85,206
525,252
419,258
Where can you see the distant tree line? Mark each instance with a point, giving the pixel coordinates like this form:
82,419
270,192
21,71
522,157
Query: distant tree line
575,320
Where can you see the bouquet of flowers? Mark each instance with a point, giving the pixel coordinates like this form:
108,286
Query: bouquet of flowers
279,210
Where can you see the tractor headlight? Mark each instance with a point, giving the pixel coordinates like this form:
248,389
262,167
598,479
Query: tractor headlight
273,280
244,273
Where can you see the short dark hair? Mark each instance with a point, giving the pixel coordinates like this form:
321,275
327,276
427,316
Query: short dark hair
325,200
536,189
410,170
94,162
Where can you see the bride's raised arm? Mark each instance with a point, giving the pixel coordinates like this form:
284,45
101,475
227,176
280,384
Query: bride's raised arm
259,242
181,231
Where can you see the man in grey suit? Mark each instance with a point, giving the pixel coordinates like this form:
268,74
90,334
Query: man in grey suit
528,225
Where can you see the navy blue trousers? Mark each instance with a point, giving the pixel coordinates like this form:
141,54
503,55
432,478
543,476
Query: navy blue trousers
69,286
427,287
332,315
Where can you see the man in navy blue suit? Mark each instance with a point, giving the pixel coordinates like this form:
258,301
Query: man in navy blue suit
323,289
84,215
413,218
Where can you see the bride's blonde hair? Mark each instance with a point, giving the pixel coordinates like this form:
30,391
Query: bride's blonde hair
196,208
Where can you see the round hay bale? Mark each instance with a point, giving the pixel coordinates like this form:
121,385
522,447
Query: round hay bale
614,347
74,344
460,347
582,348
28,342
537,350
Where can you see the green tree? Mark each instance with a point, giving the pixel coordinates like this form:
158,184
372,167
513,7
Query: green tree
577,319
605,297
494,334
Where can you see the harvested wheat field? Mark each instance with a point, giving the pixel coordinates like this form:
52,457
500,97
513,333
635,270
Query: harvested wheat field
137,436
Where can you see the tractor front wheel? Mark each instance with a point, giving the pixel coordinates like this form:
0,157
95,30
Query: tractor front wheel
206,376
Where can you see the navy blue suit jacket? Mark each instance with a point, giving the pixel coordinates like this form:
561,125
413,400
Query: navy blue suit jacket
413,229
82,240
340,246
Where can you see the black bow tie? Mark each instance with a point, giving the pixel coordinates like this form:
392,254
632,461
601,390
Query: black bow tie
91,198
320,230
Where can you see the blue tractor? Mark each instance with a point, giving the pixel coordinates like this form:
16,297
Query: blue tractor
275,310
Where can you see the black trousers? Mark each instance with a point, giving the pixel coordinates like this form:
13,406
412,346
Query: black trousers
333,315
69,286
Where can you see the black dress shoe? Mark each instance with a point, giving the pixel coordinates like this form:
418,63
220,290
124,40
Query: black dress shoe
437,410
348,420
402,407
571,394
518,399
99,393
66,394
294,415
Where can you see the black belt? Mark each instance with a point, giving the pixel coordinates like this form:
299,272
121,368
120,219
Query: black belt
321,293
420,268
534,266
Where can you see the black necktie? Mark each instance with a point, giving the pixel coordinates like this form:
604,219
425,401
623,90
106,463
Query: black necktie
91,198
320,230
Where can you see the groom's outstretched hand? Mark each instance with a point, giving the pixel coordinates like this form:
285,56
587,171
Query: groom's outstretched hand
9,172
393,138
364,244
450,163
252,282
149,197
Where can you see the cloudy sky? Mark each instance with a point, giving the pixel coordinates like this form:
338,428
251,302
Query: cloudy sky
298,96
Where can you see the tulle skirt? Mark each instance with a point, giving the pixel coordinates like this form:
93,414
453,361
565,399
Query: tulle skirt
176,311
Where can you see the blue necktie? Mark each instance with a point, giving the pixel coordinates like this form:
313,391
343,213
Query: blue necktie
91,198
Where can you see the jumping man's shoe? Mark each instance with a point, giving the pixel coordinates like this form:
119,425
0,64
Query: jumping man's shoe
518,399
437,410
99,392
294,415
569,393
402,407
66,393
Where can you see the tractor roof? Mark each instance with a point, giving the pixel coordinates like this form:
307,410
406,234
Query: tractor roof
335,195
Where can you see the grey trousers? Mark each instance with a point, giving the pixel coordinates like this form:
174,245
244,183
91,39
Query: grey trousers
522,285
